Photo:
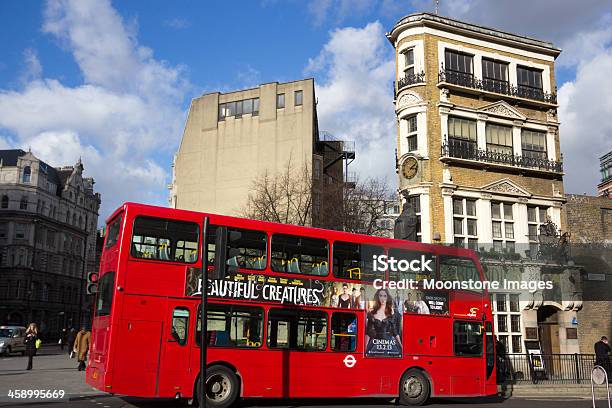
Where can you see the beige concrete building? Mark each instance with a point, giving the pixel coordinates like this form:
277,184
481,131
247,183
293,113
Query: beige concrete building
229,139
479,160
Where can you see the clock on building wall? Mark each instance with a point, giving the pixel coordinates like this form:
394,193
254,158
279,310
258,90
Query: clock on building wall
410,168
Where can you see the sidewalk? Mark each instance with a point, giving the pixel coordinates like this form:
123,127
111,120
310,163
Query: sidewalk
554,391
52,370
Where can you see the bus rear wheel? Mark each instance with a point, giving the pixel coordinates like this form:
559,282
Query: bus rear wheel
414,388
221,387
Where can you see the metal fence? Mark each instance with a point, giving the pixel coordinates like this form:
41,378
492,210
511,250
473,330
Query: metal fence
548,369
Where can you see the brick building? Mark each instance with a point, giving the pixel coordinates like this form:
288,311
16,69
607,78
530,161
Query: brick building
479,160
48,221
590,223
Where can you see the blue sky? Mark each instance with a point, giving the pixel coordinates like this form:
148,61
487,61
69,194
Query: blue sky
111,81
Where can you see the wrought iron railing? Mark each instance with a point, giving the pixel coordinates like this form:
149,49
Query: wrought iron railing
496,86
545,368
469,151
408,79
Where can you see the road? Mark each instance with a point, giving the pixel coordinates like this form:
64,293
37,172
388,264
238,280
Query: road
55,371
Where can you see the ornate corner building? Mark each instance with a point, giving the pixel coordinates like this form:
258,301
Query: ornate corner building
479,161
48,223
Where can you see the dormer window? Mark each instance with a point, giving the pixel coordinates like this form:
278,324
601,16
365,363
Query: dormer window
27,174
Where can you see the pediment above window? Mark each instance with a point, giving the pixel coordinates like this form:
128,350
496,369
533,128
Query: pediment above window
506,186
502,109
408,100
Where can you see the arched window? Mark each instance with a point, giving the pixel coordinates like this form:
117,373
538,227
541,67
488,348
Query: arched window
23,204
27,174
73,219
5,201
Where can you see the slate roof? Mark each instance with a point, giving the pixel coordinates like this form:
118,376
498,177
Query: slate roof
9,158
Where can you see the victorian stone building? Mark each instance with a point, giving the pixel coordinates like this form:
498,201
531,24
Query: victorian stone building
479,163
48,220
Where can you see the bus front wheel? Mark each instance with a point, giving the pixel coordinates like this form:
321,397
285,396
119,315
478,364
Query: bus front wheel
221,387
414,388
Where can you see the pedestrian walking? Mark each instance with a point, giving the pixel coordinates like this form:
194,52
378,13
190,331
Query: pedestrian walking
602,355
81,346
30,343
70,341
63,338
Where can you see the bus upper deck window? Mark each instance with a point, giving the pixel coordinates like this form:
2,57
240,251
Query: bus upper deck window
296,254
355,261
165,240
454,268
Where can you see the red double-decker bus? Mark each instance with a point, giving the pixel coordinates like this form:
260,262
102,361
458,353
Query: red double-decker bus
291,312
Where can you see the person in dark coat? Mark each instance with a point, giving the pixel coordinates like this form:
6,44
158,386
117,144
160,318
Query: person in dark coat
30,343
70,340
602,354
500,351
63,338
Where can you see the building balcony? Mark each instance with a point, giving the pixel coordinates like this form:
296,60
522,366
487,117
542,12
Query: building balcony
407,80
468,83
469,153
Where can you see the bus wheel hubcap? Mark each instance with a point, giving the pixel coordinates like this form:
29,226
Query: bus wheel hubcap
413,387
218,387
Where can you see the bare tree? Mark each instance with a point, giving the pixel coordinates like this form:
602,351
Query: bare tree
358,209
284,197
291,197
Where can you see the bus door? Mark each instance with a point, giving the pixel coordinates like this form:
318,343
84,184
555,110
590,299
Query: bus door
490,385
346,365
174,365
468,373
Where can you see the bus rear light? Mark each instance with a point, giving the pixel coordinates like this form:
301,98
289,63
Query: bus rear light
109,386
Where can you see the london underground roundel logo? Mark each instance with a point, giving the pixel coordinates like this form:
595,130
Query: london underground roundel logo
350,361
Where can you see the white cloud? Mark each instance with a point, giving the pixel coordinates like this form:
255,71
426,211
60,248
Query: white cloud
584,111
33,68
124,118
355,95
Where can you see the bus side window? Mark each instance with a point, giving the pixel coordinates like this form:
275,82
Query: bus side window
427,270
250,248
454,268
355,261
343,331
467,338
297,329
295,254
165,240
232,326
180,325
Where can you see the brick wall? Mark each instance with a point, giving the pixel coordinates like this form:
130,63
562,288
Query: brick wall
590,223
